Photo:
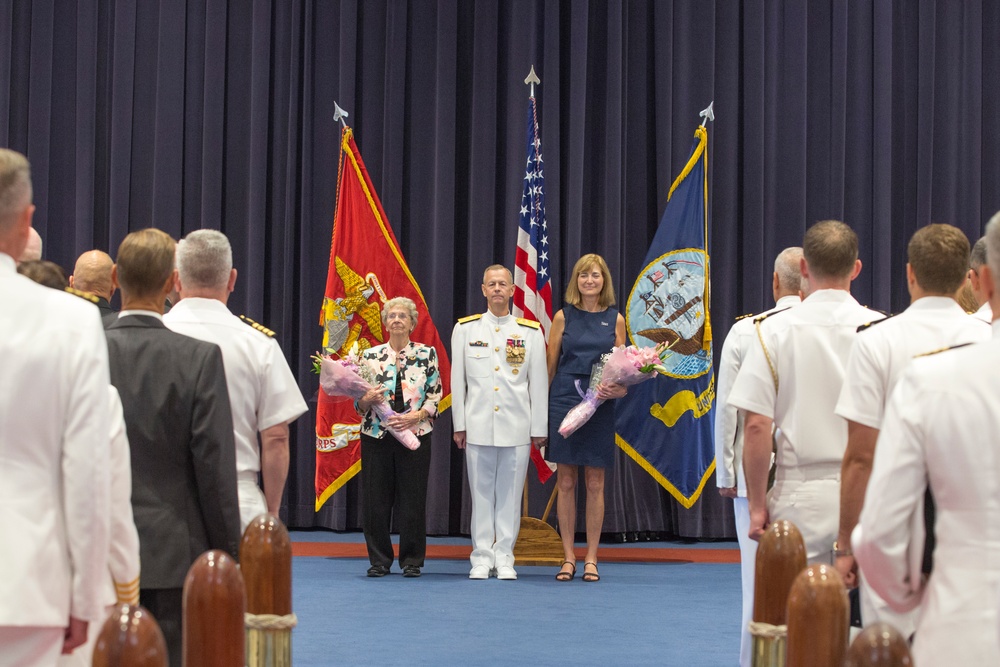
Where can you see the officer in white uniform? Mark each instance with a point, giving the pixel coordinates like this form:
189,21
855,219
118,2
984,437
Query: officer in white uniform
262,390
729,426
791,380
54,448
976,262
940,431
938,257
500,386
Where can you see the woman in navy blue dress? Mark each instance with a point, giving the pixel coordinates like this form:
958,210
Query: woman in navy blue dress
582,331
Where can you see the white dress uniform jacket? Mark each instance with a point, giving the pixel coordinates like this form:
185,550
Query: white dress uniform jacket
808,347
262,390
880,354
729,454
939,429
985,313
53,455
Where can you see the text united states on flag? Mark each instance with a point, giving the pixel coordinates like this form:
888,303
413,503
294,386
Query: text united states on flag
532,292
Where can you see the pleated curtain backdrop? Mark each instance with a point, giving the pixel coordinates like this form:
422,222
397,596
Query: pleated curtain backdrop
215,113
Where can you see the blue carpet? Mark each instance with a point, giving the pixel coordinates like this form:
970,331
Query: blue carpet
638,614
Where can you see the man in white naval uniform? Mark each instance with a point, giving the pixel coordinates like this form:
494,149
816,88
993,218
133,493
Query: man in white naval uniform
729,426
938,257
939,431
264,395
977,260
54,450
500,387
791,380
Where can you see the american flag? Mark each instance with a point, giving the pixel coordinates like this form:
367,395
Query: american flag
532,292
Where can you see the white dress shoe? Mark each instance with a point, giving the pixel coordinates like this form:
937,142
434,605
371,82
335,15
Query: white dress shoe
506,572
479,572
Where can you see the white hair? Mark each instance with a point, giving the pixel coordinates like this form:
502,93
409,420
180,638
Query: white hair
204,259
404,303
15,186
788,266
993,247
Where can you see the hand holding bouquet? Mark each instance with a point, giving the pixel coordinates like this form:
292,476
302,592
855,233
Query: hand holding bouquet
625,366
350,378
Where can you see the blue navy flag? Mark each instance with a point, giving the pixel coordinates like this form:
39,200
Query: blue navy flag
666,424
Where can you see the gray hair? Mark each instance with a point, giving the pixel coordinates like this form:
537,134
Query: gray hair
401,302
993,251
204,259
15,186
788,266
978,255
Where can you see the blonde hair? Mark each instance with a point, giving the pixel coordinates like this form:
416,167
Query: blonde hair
145,261
606,297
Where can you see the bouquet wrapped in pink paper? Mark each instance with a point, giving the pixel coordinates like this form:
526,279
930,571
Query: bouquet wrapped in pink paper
349,378
623,365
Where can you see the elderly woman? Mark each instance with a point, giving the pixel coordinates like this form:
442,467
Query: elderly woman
586,327
408,380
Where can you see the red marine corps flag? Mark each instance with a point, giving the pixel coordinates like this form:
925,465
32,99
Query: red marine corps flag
366,270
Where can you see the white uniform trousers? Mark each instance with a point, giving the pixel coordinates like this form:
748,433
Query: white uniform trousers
875,610
30,646
748,562
496,479
252,501
809,497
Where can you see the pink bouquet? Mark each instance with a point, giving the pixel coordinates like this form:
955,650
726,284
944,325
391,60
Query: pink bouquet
349,378
623,365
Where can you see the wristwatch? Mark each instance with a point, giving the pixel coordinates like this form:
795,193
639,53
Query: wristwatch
838,552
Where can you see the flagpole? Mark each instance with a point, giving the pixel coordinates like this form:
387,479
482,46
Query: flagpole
531,80
707,113
339,114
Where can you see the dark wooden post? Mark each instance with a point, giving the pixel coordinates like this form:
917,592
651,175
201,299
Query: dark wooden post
266,559
130,637
879,645
781,555
819,618
214,604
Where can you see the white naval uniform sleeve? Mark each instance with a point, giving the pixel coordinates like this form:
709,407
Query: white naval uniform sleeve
124,553
863,394
458,342
888,541
280,400
538,385
726,415
85,462
754,389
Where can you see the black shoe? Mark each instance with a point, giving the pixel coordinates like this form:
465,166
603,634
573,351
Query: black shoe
411,571
378,571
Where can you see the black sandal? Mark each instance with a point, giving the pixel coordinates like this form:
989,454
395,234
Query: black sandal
566,576
590,576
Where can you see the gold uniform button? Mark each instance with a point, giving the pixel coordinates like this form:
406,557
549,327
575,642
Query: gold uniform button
496,349
496,388
498,328
496,408
496,368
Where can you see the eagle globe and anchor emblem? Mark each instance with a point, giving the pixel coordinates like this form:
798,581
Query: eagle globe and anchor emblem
667,305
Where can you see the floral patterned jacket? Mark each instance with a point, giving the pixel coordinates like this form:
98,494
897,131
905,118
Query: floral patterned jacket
421,383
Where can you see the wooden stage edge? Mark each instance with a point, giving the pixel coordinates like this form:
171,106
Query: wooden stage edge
607,555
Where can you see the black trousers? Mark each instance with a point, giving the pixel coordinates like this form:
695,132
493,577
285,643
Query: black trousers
166,605
392,475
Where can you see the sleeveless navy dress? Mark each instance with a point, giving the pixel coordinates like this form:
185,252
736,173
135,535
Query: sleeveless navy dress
585,338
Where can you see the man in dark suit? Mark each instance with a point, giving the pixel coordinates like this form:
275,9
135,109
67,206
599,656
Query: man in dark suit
183,479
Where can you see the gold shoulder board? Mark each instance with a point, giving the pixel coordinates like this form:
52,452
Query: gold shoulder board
528,323
761,318
743,317
469,318
940,350
259,327
83,295
874,322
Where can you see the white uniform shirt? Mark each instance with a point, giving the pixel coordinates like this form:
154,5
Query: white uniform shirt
497,399
809,346
985,313
729,420
940,427
262,390
54,453
881,352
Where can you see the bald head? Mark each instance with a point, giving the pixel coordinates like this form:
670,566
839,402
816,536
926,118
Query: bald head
92,273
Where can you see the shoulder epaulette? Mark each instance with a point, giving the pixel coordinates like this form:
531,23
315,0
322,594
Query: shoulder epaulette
259,327
469,318
761,318
528,323
940,350
83,295
874,322
743,317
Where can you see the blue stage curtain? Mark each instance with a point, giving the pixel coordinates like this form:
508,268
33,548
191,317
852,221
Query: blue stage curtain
218,113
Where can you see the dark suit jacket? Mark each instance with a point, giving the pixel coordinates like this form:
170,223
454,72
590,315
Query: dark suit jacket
180,433
105,307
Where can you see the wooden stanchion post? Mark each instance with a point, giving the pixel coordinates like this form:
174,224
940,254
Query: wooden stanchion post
130,637
266,559
781,555
214,604
819,618
879,645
